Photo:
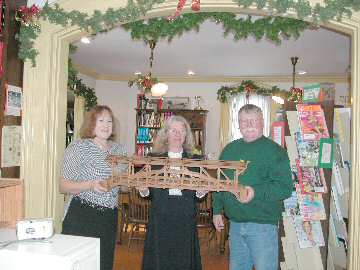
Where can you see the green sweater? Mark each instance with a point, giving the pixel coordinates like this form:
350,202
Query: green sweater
268,173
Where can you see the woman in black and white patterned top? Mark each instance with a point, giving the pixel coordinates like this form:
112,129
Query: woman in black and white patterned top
92,209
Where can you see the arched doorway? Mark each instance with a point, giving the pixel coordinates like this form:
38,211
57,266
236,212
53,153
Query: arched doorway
44,107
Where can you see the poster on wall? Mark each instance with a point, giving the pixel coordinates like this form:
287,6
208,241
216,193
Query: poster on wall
278,132
13,100
10,146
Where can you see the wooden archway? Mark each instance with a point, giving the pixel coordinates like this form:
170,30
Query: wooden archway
44,106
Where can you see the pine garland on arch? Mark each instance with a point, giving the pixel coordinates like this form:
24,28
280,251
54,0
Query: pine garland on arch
273,28
76,85
100,22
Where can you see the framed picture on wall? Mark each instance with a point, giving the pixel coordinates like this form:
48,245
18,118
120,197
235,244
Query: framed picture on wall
179,103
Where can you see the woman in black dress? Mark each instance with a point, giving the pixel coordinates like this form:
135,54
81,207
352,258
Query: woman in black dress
171,239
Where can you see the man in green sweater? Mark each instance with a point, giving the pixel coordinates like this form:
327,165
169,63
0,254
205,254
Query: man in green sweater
254,220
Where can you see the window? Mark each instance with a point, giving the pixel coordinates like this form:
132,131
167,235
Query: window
237,102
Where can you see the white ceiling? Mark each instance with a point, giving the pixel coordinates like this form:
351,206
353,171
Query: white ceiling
208,53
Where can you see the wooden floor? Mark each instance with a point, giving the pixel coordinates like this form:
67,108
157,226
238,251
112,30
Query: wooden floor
130,258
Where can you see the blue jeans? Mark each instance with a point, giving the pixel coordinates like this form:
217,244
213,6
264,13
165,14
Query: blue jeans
253,244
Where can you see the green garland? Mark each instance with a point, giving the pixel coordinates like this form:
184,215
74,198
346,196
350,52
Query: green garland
100,22
75,84
331,9
271,27
248,86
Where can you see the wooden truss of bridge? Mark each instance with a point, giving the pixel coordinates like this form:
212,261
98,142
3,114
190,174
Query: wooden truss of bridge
162,172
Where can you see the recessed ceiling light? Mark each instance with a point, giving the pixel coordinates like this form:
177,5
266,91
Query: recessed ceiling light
85,40
191,73
137,73
302,72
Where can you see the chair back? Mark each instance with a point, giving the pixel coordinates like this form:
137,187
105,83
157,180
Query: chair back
204,212
138,208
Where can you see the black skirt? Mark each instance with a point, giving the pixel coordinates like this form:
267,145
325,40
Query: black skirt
172,240
83,219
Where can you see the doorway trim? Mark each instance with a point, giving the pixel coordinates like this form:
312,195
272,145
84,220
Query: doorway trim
44,107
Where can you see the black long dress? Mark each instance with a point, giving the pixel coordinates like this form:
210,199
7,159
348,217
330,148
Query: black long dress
171,239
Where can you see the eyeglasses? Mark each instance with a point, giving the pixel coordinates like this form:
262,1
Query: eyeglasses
249,122
179,131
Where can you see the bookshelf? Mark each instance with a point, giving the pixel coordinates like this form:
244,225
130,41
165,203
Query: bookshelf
149,122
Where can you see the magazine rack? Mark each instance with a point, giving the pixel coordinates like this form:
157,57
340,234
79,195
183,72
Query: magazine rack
328,108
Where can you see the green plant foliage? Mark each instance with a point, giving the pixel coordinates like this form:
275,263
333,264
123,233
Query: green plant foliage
330,9
144,83
273,28
100,22
248,86
75,84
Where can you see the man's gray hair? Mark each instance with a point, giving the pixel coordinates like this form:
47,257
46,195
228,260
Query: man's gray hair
250,108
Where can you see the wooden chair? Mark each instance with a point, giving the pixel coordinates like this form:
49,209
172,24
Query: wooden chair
137,216
204,219
123,214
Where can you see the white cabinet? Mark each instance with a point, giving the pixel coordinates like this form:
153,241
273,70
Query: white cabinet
65,252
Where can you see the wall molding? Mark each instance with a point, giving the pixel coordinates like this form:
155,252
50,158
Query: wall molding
330,78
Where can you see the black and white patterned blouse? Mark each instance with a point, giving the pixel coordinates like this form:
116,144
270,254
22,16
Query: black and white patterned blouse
85,161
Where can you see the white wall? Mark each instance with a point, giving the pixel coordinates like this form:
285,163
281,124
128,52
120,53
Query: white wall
122,101
88,81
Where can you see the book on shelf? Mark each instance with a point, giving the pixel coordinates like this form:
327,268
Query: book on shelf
311,206
308,151
312,122
311,179
309,233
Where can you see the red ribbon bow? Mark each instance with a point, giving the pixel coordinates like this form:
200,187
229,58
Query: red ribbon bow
195,6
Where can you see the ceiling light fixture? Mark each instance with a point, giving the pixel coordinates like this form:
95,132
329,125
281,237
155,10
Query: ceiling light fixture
294,61
278,99
137,73
85,40
159,89
147,83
